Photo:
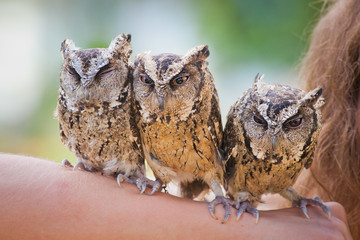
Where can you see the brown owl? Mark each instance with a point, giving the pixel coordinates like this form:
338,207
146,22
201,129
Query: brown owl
269,137
95,109
179,121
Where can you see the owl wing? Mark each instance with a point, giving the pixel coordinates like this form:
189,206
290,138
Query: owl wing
235,146
230,144
215,127
136,138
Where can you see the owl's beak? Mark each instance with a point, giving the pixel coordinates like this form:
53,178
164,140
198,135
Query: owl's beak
161,102
273,138
86,81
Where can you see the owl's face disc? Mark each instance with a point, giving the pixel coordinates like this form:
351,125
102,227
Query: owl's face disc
277,127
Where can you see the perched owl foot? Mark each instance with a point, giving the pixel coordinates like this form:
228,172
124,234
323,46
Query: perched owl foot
226,202
143,182
66,163
245,207
316,201
79,166
122,178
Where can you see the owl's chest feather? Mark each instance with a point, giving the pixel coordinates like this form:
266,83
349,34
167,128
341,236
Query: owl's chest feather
180,146
98,137
259,177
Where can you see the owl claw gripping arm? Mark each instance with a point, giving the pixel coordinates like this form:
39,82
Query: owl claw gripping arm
94,109
179,120
269,137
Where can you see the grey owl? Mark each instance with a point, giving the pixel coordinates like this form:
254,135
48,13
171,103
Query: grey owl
179,121
269,137
95,109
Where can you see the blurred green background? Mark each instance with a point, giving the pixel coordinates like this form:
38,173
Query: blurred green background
245,37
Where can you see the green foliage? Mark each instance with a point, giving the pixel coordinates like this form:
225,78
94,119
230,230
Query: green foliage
272,31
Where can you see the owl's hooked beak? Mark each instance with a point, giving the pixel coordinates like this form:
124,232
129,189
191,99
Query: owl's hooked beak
273,138
161,94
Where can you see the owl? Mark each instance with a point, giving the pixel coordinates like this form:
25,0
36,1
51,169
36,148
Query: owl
179,121
269,137
95,112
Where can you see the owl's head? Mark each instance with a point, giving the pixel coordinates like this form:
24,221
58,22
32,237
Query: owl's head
281,121
170,82
91,75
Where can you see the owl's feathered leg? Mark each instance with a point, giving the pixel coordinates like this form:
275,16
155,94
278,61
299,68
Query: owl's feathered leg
220,198
299,201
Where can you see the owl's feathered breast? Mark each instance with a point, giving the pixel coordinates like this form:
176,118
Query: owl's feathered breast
100,133
187,144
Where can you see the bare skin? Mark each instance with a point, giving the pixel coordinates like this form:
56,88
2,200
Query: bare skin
43,200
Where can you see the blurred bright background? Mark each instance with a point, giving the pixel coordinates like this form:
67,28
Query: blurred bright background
245,37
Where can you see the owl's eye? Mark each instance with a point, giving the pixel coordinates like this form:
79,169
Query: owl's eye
293,123
259,120
146,80
180,80
105,70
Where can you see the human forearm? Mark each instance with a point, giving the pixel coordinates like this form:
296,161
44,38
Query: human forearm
41,199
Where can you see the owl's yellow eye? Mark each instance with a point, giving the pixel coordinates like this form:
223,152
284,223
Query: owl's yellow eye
259,120
180,80
293,123
146,80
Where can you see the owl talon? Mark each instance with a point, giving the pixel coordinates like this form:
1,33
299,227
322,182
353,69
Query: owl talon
143,187
316,201
226,202
66,163
245,207
156,187
122,178
79,166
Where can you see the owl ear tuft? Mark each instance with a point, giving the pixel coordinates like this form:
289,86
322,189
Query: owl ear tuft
67,46
255,86
257,80
313,98
121,44
199,53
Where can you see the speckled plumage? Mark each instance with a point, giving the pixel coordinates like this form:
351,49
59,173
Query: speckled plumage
180,124
269,137
95,108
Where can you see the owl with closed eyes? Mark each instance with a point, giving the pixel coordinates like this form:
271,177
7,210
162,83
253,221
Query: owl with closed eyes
179,121
95,111
269,137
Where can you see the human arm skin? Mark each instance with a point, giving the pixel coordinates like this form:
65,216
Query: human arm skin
40,199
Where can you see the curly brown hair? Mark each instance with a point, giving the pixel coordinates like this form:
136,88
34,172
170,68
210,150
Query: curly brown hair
333,62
